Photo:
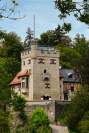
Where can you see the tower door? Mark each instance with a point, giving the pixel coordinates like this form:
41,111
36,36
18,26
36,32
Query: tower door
46,98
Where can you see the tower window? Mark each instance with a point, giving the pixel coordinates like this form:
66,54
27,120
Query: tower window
47,85
41,61
46,79
52,61
45,71
23,62
45,97
29,61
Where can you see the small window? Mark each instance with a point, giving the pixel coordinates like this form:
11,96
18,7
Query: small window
47,85
52,61
70,75
45,97
41,61
65,95
72,88
29,61
23,62
27,84
23,84
45,71
46,79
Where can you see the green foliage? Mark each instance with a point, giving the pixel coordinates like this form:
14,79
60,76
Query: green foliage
12,66
24,129
39,122
44,129
18,103
56,37
7,8
78,107
82,65
65,7
11,45
83,126
80,9
48,39
4,122
69,57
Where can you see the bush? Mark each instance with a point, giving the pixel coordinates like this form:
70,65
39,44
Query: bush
78,107
39,122
44,129
84,124
18,103
4,122
24,129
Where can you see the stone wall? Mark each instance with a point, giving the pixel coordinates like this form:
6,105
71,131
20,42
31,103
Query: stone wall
53,108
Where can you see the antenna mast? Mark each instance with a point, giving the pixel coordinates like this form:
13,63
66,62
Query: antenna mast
34,25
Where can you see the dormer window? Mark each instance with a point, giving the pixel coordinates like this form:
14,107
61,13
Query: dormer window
70,75
52,61
41,61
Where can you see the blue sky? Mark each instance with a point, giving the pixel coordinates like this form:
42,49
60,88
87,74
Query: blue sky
46,19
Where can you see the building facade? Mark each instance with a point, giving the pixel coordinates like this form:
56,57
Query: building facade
39,75
70,83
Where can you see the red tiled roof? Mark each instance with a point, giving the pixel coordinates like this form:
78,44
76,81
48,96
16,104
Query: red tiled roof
17,79
23,73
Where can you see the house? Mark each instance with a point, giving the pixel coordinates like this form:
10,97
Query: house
70,82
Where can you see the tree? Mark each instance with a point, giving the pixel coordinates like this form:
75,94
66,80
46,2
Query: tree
7,9
11,45
78,108
83,126
4,122
55,37
28,38
80,9
69,57
82,65
48,39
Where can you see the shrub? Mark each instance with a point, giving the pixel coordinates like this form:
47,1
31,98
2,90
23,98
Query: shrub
39,122
78,107
18,103
84,124
4,122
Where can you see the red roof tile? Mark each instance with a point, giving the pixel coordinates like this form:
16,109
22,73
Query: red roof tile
17,79
23,73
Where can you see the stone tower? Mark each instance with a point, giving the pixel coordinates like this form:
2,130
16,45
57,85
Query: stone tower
39,76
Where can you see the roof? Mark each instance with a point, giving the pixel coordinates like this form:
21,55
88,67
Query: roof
69,76
23,73
17,79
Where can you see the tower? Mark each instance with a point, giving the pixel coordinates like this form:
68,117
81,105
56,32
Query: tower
39,76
